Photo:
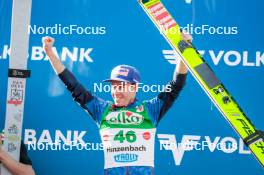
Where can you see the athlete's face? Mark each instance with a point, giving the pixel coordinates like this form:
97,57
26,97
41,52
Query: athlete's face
123,93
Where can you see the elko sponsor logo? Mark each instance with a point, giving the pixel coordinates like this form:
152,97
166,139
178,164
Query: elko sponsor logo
126,158
124,118
189,143
75,54
230,58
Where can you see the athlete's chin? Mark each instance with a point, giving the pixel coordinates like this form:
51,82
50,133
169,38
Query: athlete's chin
119,102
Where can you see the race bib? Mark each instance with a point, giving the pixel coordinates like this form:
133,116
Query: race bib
128,147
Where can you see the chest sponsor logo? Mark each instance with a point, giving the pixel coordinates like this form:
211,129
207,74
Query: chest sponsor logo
124,118
126,158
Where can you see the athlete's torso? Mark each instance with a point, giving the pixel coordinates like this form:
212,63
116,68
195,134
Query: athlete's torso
128,135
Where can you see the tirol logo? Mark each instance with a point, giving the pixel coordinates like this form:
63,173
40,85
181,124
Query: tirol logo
124,118
126,157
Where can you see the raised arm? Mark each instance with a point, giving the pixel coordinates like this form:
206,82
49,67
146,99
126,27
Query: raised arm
89,102
160,105
79,93
180,67
54,60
